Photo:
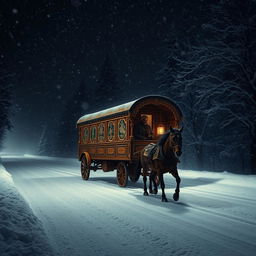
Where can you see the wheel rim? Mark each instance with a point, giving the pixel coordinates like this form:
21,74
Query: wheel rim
121,175
85,171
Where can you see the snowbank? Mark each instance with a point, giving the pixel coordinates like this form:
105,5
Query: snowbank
21,233
216,213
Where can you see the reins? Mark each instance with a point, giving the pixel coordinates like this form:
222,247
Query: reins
172,155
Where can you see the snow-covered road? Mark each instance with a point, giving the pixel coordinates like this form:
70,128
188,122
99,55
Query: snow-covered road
216,214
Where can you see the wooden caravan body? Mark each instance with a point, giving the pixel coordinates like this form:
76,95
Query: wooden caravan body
106,137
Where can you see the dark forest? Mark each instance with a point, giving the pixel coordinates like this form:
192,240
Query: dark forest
60,60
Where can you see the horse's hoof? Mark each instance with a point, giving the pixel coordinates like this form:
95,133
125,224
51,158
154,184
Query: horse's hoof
155,191
151,191
145,194
176,196
164,199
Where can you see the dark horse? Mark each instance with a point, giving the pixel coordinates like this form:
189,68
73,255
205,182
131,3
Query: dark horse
170,145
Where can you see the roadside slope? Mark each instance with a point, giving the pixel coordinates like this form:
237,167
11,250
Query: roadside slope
21,232
216,214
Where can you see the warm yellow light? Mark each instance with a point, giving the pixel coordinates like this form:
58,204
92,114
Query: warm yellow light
160,130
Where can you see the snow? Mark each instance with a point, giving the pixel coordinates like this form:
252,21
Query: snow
21,232
15,11
106,112
121,108
216,213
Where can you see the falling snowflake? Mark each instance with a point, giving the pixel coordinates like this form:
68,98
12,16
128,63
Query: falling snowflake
85,105
76,3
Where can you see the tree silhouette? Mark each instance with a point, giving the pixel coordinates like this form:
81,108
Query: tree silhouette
107,92
5,103
67,134
214,81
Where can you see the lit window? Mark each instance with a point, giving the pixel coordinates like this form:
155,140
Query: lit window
160,130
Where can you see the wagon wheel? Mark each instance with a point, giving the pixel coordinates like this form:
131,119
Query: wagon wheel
85,168
121,174
134,171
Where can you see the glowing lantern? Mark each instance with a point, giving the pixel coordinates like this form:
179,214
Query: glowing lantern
160,130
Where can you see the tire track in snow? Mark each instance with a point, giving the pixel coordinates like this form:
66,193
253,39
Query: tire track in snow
221,194
193,226
218,234
215,213
152,236
223,215
153,240
222,198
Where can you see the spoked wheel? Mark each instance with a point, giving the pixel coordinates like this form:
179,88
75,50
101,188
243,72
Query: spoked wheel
85,168
134,171
121,174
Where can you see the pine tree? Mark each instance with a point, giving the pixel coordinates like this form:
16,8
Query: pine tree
178,81
78,105
219,73
44,145
108,93
5,103
232,48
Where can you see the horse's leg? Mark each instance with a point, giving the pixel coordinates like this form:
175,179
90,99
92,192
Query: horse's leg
150,182
145,185
154,182
144,177
177,190
161,179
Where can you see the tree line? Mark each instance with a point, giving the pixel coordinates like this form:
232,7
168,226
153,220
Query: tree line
60,139
211,74
5,102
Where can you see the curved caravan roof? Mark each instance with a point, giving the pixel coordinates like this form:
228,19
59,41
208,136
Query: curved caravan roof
130,107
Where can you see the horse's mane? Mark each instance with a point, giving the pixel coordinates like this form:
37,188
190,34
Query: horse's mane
163,138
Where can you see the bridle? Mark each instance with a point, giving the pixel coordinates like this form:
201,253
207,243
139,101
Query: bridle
176,146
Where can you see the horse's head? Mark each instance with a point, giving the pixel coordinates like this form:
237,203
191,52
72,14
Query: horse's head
175,141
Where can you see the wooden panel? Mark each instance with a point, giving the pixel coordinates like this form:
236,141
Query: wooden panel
107,151
111,151
122,150
92,150
101,151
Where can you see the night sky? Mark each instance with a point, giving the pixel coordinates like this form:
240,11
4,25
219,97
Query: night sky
50,46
